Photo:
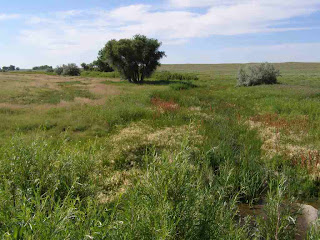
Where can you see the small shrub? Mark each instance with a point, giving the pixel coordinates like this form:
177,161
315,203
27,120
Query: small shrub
257,74
71,70
68,70
169,76
58,70
49,70
280,213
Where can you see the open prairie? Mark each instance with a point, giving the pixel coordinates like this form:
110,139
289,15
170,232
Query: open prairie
100,158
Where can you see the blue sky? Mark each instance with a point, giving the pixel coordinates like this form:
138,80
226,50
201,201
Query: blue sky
54,32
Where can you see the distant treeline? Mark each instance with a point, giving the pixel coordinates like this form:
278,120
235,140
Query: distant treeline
10,68
42,68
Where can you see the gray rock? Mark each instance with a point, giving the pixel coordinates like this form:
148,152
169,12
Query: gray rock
308,216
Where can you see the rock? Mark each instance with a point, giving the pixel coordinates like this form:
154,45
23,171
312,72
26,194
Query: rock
308,216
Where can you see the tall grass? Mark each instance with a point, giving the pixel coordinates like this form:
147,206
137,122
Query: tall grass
44,186
176,200
46,193
281,214
55,170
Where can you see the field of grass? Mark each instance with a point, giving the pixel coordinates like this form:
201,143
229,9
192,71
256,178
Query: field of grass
95,157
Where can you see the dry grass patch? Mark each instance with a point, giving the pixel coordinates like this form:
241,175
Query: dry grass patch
299,124
128,149
133,141
116,184
41,92
274,144
197,111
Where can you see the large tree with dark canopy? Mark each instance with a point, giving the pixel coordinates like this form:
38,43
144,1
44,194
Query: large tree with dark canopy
135,58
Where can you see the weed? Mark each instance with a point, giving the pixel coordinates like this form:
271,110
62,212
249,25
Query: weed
280,213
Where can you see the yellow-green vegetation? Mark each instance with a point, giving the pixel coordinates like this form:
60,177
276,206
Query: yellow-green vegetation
100,158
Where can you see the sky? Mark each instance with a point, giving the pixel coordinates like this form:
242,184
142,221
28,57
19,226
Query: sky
56,32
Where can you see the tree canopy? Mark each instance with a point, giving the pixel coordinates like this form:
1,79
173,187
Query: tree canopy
100,65
43,67
135,58
10,68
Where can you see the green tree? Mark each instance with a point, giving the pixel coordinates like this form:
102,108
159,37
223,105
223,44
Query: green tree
70,69
135,58
101,64
85,66
43,67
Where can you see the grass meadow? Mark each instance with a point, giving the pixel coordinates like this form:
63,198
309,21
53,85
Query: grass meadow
95,157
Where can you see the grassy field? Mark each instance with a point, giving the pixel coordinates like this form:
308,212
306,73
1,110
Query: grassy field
99,158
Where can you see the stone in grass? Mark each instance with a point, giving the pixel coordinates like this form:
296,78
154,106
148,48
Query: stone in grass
309,216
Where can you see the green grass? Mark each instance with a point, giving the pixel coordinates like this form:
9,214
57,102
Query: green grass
100,74
162,160
50,96
71,83
33,72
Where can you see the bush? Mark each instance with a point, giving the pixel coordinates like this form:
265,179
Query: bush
257,74
42,68
68,70
280,213
71,70
58,70
169,76
49,70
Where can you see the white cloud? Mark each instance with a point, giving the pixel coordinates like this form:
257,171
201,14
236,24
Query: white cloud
236,17
215,3
8,16
200,3
130,13
77,32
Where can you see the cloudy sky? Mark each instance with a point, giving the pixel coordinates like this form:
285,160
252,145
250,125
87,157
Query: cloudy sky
37,32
